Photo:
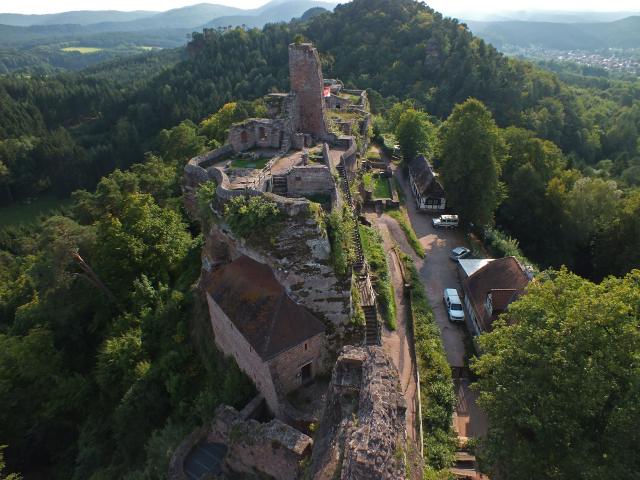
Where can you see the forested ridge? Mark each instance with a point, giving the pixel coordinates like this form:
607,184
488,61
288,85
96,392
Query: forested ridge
100,373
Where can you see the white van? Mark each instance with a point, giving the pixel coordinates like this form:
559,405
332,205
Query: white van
445,221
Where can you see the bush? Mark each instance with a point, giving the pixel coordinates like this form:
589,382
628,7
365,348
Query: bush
339,227
373,250
204,196
253,218
436,384
502,245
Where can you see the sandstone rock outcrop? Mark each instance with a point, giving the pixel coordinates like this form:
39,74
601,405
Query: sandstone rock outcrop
362,434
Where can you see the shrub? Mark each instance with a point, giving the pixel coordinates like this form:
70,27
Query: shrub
373,249
502,245
339,227
436,384
205,194
253,218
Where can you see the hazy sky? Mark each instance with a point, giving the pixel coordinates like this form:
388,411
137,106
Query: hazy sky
445,6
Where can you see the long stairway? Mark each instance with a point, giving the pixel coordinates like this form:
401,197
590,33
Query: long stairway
360,269
279,186
372,326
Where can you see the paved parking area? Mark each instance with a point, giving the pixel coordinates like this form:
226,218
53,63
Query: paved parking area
438,272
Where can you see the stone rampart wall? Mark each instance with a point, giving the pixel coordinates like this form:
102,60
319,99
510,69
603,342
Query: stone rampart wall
310,180
273,449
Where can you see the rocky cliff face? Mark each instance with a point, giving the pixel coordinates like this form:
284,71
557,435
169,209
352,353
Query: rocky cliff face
362,434
299,257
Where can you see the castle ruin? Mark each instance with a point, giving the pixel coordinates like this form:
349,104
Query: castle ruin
280,307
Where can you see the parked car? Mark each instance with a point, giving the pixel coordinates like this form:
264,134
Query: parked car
459,252
453,305
445,221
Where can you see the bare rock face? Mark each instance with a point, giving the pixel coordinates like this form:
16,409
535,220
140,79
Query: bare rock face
362,434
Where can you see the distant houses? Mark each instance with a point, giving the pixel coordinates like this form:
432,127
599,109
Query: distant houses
426,187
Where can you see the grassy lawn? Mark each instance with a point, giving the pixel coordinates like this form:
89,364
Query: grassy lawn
373,249
355,99
249,163
373,153
22,213
381,188
82,49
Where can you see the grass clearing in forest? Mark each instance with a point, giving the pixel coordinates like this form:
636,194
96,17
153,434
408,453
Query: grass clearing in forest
82,50
21,212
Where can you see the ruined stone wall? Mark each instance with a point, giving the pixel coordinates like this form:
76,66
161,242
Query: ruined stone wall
285,368
310,180
306,82
258,449
252,133
233,343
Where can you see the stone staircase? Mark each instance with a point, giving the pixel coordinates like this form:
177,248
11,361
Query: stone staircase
465,467
279,185
361,269
372,326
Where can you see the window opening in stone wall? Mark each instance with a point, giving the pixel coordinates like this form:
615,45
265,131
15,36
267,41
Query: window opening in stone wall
244,137
263,133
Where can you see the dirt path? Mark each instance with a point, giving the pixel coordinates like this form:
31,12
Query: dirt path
398,343
438,272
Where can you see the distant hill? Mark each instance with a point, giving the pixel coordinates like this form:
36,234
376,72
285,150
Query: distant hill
190,17
623,33
81,17
553,16
40,44
271,13
312,12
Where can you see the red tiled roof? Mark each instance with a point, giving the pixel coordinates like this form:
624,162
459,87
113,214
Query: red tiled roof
258,305
504,278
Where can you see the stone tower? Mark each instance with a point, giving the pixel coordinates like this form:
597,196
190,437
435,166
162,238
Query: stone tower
307,84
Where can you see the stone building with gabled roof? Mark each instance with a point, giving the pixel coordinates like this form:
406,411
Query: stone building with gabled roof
275,341
427,189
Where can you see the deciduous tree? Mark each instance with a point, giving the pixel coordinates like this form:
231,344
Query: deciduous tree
560,381
472,154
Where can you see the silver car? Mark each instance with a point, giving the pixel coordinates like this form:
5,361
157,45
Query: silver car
459,252
453,305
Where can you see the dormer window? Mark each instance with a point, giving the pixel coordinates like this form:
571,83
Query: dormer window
488,304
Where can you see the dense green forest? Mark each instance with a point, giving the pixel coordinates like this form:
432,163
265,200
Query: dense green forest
106,353
101,371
